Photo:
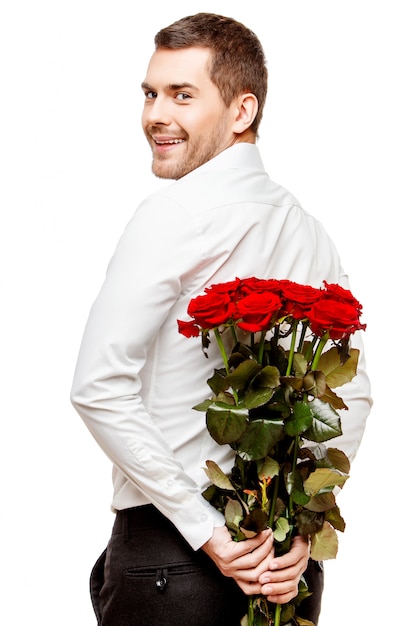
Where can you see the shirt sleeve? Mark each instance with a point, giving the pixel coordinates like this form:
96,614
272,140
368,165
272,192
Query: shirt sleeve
142,284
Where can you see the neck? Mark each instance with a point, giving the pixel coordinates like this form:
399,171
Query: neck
248,136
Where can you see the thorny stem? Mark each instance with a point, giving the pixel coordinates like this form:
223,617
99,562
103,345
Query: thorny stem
251,615
233,329
261,347
292,347
224,357
277,616
324,339
273,502
310,349
302,336
222,349
293,468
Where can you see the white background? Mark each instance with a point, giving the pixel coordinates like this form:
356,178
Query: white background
339,131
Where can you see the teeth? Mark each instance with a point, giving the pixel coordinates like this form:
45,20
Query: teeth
171,141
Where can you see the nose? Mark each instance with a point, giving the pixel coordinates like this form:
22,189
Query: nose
156,111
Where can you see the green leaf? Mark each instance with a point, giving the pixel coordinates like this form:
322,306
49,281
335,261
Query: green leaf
254,398
336,373
322,479
218,477
210,493
339,460
259,438
269,469
303,593
322,502
268,377
326,422
315,383
281,530
233,514
329,361
225,397
293,382
243,374
203,406
254,523
300,420
299,365
324,544
279,402
287,615
295,488
235,359
335,519
333,399
308,522
226,424
217,382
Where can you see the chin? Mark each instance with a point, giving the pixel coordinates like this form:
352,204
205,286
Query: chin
160,169
161,173
164,170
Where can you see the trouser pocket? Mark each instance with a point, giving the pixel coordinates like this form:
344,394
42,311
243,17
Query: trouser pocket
162,575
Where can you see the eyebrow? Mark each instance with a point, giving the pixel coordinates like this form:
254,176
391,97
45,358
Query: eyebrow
172,86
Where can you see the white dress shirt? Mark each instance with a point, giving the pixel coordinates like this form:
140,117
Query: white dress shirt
137,378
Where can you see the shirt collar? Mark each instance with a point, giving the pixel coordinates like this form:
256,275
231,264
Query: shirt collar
240,155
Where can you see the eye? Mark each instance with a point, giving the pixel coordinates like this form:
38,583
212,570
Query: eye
182,96
150,95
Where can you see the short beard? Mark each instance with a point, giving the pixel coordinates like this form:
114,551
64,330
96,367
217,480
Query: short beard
204,149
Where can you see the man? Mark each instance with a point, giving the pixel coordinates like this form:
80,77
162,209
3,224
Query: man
170,559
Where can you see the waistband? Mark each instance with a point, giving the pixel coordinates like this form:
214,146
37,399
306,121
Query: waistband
139,518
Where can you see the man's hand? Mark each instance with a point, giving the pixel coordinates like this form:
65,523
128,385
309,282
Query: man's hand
252,564
280,583
244,561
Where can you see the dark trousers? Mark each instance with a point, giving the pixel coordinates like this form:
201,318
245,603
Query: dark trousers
149,576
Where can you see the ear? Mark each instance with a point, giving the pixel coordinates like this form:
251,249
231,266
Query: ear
246,110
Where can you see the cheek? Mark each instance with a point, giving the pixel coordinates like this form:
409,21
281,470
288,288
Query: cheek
144,119
202,120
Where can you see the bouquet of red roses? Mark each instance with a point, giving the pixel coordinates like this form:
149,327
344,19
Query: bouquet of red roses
273,402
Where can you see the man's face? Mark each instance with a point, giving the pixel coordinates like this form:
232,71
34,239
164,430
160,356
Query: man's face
184,117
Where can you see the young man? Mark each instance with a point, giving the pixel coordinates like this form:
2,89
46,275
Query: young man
170,559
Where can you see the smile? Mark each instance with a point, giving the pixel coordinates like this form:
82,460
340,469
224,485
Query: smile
168,142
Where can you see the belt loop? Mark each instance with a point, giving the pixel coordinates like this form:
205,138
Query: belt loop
125,525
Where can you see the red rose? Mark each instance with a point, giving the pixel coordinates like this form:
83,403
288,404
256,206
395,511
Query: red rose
250,285
211,310
341,319
188,329
230,287
256,311
336,292
297,299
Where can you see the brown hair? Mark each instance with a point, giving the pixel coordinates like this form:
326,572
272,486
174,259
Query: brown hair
238,63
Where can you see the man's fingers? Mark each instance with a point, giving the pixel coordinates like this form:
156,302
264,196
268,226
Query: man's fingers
280,582
244,560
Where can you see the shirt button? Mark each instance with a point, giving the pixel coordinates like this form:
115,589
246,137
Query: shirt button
170,483
203,517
